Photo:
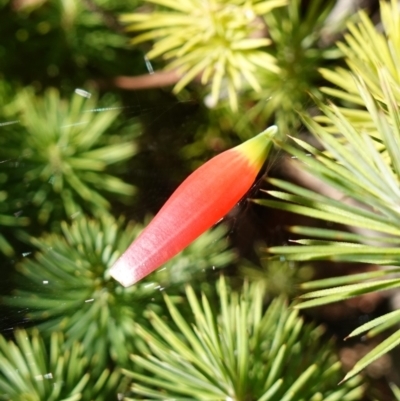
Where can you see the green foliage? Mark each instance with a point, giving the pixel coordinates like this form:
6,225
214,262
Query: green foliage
63,41
368,50
357,170
9,219
220,40
396,391
300,35
59,153
279,277
32,371
237,351
364,169
67,285
297,35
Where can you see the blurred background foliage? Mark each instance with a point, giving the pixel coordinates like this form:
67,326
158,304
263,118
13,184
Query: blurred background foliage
106,106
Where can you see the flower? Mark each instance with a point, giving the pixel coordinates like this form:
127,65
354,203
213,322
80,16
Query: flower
203,199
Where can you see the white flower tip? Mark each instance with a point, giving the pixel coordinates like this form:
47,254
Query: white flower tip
126,273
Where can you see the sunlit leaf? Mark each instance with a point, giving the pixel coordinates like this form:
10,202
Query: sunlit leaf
29,367
235,349
216,39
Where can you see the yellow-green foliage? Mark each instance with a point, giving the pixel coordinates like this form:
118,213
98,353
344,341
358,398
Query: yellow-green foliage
218,39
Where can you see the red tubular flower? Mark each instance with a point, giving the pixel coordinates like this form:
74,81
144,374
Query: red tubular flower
203,199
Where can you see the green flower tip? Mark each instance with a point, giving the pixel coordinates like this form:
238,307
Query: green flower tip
257,149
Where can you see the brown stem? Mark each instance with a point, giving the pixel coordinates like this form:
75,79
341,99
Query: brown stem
146,81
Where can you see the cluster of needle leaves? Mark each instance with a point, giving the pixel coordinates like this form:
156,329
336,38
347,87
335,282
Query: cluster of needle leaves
56,157
59,147
236,350
361,165
218,40
67,284
35,371
266,51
